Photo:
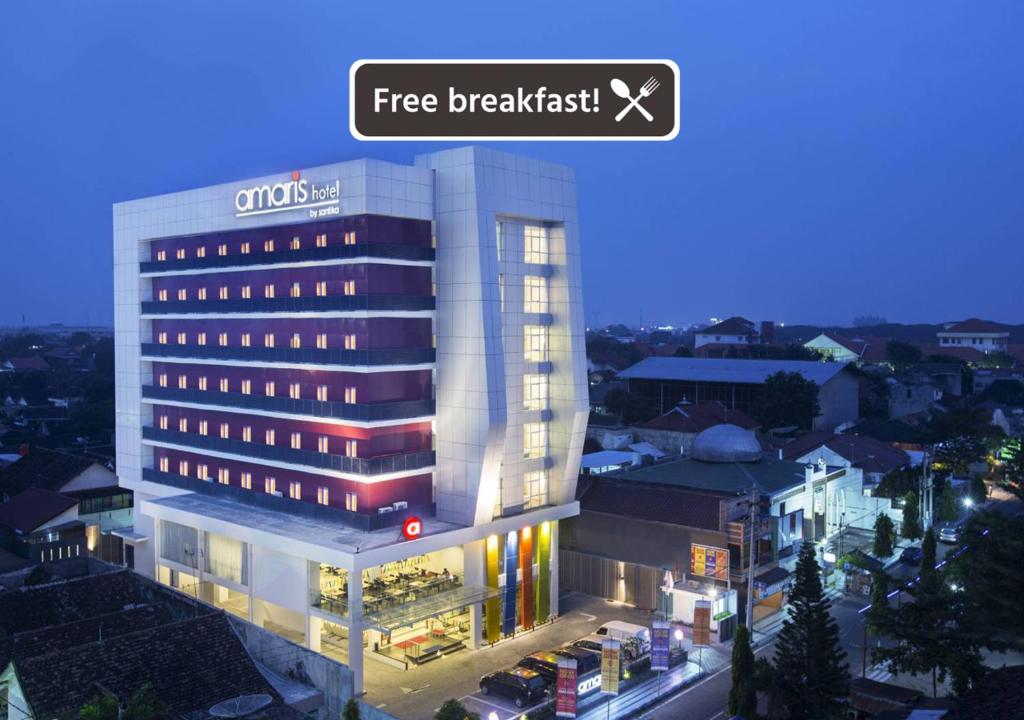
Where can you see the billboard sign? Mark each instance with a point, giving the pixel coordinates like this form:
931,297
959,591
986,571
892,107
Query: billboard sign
702,623
611,654
565,689
660,633
708,561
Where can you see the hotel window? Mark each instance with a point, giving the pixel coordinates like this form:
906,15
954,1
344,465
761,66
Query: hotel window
182,424
202,293
350,341
247,480
222,249
223,384
182,338
181,253
202,382
296,441
204,427
162,338
246,292
350,287
183,468
321,288
323,444
535,343
351,448
535,489
161,255
268,246
163,422
223,476
350,237
182,294
183,382
535,440
321,240
350,395
269,436
162,380
201,253
295,391
165,464
535,294
246,339
245,248
269,388
247,387
535,392
202,472
321,341
321,393
536,248
295,490
268,291
296,290
296,341
222,339
225,430
162,295
223,292
201,338
268,340
351,501
323,496
270,484
296,244
247,433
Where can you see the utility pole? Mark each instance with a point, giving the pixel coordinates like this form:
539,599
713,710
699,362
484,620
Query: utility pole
753,556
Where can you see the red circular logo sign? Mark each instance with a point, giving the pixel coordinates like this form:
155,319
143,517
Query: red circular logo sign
412,528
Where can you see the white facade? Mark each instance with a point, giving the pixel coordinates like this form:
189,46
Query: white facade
832,349
511,411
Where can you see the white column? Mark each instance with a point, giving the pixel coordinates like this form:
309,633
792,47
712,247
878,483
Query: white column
473,568
355,630
313,626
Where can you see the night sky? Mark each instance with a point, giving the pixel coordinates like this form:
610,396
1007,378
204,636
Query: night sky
835,159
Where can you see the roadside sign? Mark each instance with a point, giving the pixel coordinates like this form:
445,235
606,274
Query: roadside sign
565,689
701,623
611,652
660,632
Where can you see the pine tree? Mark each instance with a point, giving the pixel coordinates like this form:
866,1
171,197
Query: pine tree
812,675
928,575
885,536
742,694
979,491
351,710
947,507
879,612
911,529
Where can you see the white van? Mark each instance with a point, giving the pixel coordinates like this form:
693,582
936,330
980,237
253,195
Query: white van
628,634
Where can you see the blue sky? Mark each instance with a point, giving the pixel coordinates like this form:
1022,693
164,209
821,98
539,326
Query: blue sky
835,159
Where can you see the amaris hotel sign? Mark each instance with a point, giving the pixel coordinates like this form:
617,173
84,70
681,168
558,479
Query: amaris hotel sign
295,194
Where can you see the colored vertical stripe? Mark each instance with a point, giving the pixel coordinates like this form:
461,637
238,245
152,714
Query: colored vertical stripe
508,619
526,566
492,608
544,572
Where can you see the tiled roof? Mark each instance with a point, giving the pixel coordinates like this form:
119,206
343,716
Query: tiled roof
728,478
191,665
657,504
975,325
698,417
730,326
43,468
28,510
19,364
862,451
744,372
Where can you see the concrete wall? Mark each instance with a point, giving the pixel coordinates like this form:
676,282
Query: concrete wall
839,401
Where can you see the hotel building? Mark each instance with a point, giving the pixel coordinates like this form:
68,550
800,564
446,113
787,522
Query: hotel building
351,399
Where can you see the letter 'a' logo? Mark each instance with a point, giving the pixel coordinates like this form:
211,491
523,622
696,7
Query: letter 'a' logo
412,528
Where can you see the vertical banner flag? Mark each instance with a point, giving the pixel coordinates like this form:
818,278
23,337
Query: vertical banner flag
508,618
565,688
660,632
526,570
611,652
492,608
701,623
543,584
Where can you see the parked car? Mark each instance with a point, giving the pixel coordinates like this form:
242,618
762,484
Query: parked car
522,685
627,633
912,555
950,534
586,660
545,663
592,643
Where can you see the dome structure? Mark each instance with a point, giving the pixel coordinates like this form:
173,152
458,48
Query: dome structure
726,443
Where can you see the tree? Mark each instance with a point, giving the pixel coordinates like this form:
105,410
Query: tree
885,536
898,482
743,693
879,612
351,711
810,665
979,491
144,704
911,528
103,706
787,399
1013,466
956,455
902,354
629,407
454,710
683,351
928,574
948,510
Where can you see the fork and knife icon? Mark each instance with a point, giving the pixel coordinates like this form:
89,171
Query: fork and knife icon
621,89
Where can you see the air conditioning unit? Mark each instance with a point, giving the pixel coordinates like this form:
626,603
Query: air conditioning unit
400,505
385,510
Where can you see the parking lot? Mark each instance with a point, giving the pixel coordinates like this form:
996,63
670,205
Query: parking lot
416,693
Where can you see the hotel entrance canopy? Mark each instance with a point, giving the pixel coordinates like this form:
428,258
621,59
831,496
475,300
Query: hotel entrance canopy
392,618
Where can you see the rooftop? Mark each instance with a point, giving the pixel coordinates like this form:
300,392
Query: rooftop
861,451
700,416
658,504
28,510
747,372
43,468
728,478
730,326
975,325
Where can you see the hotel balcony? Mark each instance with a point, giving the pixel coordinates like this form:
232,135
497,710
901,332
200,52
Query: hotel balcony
405,462
373,251
314,304
291,356
358,412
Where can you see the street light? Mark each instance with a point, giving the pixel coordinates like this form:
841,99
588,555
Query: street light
492,715
968,502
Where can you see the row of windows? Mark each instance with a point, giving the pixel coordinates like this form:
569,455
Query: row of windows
269,291
535,392
323,493
269,246
535,343
535,243
535,439
269,435
269,388
269,340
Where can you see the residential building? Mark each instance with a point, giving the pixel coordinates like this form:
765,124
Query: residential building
351,400
42,526
981,335
735,334
674,431
859,350
738,384
874,457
